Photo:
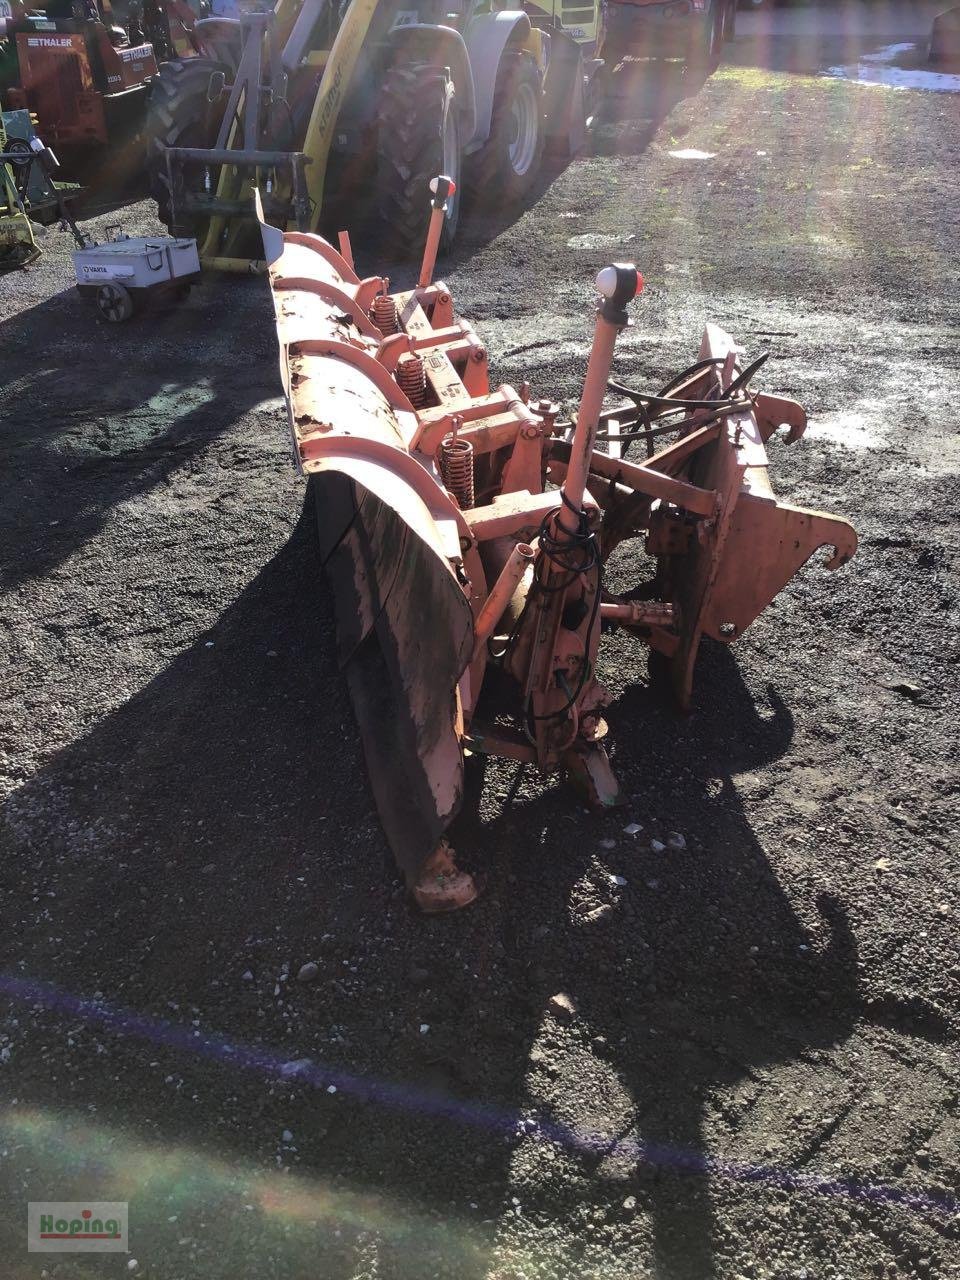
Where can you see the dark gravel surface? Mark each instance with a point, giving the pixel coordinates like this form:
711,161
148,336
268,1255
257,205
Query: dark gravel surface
752,1069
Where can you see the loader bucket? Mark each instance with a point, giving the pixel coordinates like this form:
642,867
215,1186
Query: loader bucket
389,538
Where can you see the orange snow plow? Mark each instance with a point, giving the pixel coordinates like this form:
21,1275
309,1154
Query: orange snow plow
465,528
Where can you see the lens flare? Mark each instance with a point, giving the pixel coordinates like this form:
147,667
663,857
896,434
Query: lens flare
475,1115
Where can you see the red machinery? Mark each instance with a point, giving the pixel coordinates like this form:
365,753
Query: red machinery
79,84
83,76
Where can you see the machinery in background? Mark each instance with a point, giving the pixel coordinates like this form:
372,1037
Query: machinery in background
28,191
42,193
945,38
84,74
18,246
694,30
319,104
465,528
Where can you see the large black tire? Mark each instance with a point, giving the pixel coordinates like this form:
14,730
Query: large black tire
418,137
707,41
730,22
179,115
506,167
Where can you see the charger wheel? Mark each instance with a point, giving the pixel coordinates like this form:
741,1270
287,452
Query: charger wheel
114,302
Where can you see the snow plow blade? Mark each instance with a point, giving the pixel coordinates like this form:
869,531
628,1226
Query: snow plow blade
464,528
389,539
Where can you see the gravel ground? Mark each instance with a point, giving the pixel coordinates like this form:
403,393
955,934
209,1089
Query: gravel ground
738,1059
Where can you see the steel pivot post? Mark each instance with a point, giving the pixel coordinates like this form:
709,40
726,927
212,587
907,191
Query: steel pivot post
441,187
617,285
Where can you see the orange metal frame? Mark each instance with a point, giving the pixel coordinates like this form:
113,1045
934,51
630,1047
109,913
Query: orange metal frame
517,512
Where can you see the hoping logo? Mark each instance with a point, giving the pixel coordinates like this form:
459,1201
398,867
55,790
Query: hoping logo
77,1226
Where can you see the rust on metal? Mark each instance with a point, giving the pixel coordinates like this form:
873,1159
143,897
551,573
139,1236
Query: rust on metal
466,528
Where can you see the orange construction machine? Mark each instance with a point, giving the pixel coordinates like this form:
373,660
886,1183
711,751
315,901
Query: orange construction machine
81,72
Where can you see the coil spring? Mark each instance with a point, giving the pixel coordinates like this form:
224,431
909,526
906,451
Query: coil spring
412,379
383,313
456,467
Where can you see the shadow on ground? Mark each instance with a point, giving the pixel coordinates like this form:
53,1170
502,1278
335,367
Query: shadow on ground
95,414
219,823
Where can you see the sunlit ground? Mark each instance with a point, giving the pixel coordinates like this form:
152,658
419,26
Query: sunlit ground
195,1214
199,1211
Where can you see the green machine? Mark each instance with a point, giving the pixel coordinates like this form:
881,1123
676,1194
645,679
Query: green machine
17,245
28,193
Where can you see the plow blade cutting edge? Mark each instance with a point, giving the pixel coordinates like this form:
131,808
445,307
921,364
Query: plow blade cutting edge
465,528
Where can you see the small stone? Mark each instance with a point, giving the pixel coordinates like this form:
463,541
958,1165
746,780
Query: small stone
657,846
246,976
308,972
676,841
907,688
632,829
271,653
608,844
286,1136
132,1264
208,868
630,1203
881,865
597,913
619,881
331,1088
424,1028
562,1007
208,644
653,884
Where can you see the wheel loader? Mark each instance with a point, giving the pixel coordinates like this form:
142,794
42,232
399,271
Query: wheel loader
318,103
466,526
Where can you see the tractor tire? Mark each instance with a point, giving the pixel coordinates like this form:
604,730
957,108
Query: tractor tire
179,115
418,137
506,167
730,24
705,54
